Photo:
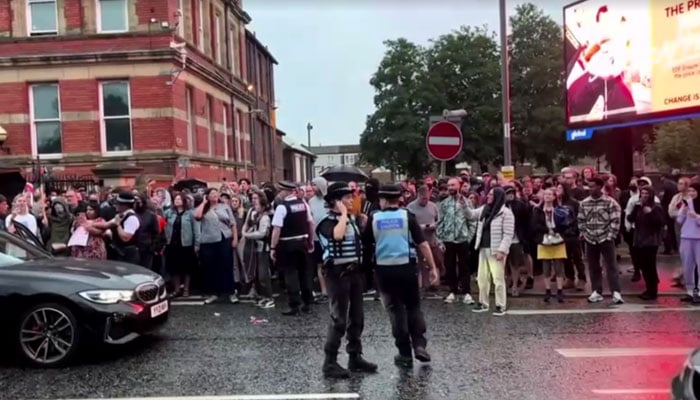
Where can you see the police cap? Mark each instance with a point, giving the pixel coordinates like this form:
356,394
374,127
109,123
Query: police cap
390,191
286,185
337,190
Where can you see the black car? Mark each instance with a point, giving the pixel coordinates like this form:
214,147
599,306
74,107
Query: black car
51,306
686,386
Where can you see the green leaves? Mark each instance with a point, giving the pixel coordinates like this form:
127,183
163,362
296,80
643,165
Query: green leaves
674,144
461,69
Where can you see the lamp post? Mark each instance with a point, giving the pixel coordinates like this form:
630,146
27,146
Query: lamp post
309,168
505,86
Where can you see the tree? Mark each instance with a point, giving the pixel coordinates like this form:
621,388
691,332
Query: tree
463,68
674,144
458,70
537,87
394,133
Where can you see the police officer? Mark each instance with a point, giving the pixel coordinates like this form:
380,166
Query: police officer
395,234
339,236
125,227
290,244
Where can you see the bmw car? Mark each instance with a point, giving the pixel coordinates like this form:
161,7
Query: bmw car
686,386
53,306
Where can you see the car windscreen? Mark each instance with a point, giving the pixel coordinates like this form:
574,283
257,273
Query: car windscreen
7,260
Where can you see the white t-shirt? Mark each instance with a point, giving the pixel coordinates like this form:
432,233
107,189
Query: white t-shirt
28,220
131,224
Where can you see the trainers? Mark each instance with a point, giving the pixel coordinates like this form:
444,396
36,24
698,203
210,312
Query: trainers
500,311
617,298
468,300
267,304
529,283
547,295
450,298
595,297
560,296
233,299
479,308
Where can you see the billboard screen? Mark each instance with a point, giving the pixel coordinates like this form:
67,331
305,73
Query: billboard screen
629,61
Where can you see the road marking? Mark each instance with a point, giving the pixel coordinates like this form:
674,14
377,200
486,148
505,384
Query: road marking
309,396
630,391
443,141
187,303
624,352
625,308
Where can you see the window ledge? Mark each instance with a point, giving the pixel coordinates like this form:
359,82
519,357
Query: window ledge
117,153
56,156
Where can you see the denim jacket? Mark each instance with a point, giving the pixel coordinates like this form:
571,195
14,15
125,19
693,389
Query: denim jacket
190,231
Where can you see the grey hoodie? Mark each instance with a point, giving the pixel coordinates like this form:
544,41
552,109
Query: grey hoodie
317,204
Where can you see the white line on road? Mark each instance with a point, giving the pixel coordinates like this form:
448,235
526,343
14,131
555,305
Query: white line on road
309,396
624,352
443,141
631,391
625,308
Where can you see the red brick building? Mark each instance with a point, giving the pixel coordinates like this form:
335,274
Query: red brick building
261,76
162,84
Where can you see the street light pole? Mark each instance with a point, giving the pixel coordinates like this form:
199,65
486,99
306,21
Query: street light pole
309,127
505,85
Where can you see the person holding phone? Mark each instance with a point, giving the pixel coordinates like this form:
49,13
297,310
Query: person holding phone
689,220
339,237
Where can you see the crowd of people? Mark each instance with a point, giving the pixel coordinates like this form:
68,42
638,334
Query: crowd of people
499,233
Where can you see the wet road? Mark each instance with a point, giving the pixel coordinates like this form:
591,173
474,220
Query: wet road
529,354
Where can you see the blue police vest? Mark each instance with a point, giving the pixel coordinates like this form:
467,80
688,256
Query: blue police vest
393,242
347,251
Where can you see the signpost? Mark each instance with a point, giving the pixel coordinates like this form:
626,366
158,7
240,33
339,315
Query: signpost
443,142
508,172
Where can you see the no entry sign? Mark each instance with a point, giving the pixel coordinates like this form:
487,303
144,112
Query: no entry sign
444,141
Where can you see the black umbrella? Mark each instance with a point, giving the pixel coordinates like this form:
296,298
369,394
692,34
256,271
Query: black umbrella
344,173
11,183
191,184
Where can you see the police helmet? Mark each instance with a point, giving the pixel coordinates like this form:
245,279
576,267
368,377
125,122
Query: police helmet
336,191
390,191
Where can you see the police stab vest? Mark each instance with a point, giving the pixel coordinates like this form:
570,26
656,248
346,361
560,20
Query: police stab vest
296,222
347,251
393,242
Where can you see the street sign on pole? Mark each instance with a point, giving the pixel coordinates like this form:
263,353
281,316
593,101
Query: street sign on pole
444,141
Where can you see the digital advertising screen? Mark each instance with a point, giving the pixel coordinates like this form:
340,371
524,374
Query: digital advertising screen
629,61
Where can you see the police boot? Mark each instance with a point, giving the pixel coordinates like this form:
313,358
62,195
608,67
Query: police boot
331,368
358,364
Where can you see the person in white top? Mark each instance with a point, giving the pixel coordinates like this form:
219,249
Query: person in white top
21,215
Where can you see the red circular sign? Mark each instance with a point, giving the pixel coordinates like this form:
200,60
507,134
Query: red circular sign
444,141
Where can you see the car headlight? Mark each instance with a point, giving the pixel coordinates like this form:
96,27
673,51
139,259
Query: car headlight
107,296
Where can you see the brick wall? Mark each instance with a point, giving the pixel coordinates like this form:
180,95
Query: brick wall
72,44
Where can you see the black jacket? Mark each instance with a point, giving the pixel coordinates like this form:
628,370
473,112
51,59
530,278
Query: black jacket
647,227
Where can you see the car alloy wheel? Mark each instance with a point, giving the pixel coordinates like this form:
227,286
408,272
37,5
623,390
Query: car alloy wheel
48,335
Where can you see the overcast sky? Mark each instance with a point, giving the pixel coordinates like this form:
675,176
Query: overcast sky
329,49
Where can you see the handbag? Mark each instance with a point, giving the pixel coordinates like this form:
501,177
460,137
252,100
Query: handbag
552,239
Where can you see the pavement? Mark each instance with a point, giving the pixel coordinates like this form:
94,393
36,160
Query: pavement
234,352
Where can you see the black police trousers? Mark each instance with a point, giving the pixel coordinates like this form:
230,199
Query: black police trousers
293,260
398,285
345,285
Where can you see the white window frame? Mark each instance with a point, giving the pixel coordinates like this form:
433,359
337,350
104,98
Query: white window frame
211,126
103,128
191,120
181,18
217,37
33,121
31,32
226,137
200,25
98,16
